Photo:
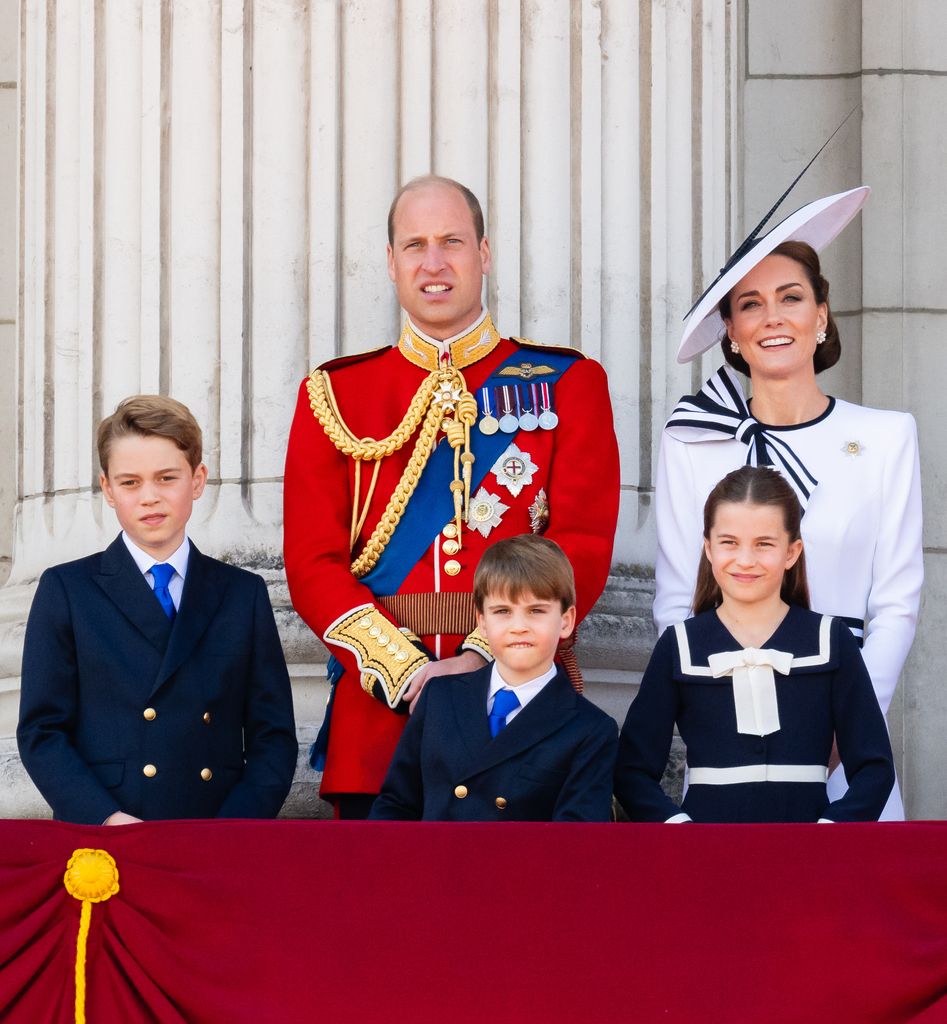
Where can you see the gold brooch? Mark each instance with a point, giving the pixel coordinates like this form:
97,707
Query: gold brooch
853,448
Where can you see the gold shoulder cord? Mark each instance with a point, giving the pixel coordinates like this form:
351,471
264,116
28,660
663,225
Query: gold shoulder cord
442,402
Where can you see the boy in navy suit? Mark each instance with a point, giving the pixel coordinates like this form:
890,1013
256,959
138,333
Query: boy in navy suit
512,741
153,682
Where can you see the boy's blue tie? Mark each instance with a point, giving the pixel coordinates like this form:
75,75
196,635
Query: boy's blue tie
162,574
503,703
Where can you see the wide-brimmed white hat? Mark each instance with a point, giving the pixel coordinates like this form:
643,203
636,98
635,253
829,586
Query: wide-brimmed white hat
816,223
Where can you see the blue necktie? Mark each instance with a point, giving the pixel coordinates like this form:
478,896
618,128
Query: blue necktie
503,703
162,574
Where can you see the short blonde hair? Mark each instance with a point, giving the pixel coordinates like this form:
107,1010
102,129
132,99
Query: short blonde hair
151,416
526,564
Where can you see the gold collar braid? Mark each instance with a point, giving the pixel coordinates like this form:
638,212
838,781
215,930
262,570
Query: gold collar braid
469,348
441,403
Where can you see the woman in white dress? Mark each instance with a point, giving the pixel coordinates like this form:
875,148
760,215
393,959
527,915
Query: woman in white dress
855,469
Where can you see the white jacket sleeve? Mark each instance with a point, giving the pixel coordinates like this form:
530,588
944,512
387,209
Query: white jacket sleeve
897,564
680,533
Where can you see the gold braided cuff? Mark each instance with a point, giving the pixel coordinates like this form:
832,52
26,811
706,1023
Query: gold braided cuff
386,657
476,641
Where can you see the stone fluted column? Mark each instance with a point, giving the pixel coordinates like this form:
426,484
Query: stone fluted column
202,204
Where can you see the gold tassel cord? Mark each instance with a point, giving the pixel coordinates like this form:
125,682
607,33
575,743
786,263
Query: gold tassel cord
91,877
442,402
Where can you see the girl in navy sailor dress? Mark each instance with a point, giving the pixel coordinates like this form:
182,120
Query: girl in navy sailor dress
757,683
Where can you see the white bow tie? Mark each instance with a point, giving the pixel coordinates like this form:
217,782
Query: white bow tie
754,686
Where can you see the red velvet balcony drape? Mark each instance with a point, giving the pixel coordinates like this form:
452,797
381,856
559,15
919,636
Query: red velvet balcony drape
231,922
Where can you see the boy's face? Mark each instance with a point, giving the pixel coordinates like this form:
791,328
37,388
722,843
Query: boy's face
524,634
152,488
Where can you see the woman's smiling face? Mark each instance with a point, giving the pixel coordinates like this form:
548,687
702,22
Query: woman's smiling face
774,319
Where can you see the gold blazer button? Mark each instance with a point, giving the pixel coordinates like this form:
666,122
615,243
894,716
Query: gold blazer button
149,771
149,714
452,567
460,792
206,774
501,802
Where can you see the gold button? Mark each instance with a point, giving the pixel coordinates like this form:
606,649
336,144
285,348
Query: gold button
365,621
450,547
150,714
500,802
206,774
452,567
206,716
383,639
450,530
393,648
401,656
149,771
460,792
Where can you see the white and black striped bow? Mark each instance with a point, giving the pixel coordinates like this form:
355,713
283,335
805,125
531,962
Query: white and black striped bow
719,410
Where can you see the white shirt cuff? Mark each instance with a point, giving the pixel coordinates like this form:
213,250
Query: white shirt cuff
678,818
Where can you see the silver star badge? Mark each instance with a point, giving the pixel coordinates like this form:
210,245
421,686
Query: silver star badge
514,469
486,512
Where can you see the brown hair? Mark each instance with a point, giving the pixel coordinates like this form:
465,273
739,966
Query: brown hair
473,203
526,564
753,485
151,416
827,354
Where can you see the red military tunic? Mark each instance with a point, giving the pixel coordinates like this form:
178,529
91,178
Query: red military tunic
576,471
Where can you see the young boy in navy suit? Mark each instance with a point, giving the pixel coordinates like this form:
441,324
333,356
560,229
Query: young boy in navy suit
512,741
153,682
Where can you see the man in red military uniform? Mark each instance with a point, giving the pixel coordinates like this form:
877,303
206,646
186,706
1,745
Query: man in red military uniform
405,463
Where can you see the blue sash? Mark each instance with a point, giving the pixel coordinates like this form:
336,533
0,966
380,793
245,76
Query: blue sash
432,504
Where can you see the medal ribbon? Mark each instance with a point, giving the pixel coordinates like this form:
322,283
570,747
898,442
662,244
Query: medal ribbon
431,505
719,410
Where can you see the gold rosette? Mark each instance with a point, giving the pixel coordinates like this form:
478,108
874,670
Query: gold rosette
91,877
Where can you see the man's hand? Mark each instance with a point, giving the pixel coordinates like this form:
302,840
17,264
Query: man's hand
120,818
469,661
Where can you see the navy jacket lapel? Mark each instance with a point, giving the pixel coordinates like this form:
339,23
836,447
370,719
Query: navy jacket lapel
199,603
123,583
542,716
470,711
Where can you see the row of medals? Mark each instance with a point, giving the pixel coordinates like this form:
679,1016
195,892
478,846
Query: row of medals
509,423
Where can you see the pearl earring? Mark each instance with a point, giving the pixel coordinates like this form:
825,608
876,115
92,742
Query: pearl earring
734,347
819,337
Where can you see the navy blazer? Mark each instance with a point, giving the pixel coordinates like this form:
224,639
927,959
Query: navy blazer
553,762
122,710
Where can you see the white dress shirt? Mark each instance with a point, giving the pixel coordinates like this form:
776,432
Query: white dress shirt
524,692
178,560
